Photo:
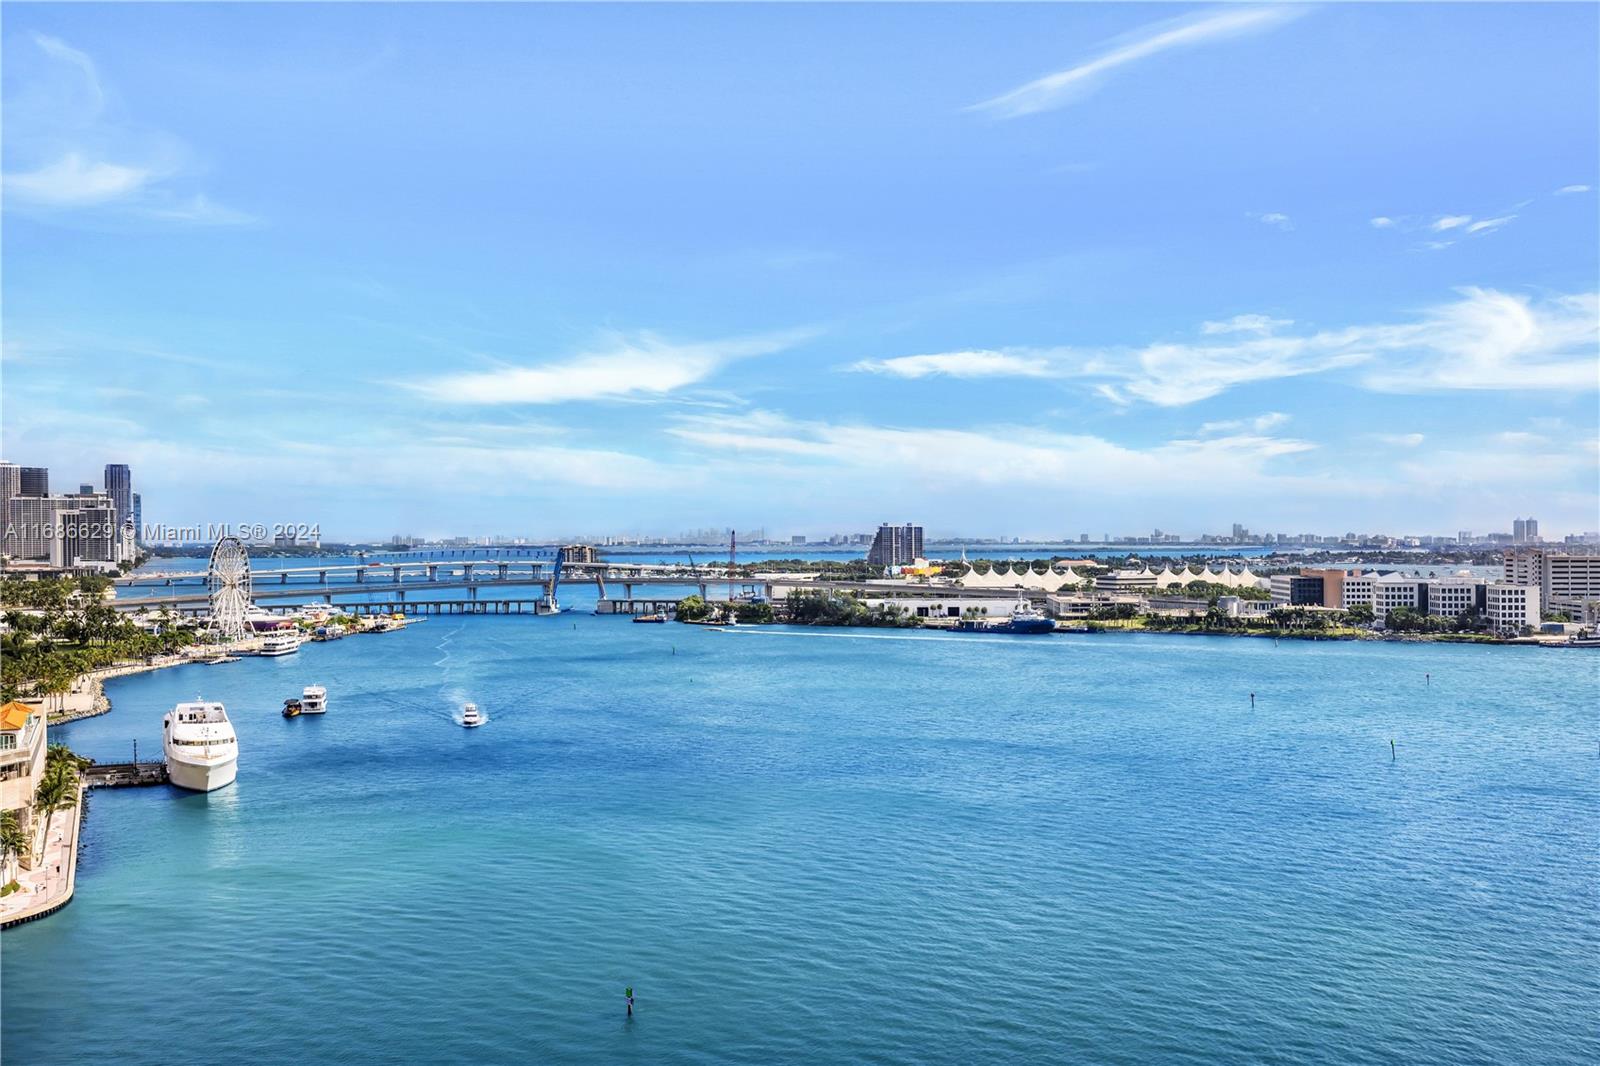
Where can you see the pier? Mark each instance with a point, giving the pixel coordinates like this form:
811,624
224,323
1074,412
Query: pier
125,775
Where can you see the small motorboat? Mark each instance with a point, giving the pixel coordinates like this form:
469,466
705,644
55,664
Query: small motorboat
650,618
291,708
471,717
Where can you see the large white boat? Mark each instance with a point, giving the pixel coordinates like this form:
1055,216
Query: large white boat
283,642
471,717
314,700
201,748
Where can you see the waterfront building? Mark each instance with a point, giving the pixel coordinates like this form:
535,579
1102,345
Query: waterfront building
1396,590
138,520
10,488
1452,597
1511,607
119,486
35,481
1126,581
1568,578
1298,590
896,545
1358,590
23,744
579,553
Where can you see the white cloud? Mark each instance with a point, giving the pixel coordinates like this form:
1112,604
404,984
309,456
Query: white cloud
643,366
1400,440
1275,219
1259,424
972,364
1568,190
1066,86
1382,222
1245,324
1001,455
1484,340
1492,340
1449,222
73,181
1489,225
65,152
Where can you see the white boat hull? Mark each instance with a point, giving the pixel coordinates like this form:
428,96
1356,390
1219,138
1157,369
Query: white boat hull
202,777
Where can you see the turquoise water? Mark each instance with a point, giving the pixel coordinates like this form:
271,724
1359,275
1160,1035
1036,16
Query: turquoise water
804,845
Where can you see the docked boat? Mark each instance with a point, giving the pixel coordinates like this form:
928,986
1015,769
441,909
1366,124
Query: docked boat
201,748
293,708
471,717
314,700
283,642
1025,618
650,618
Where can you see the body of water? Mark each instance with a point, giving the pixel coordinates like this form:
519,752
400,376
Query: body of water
840,846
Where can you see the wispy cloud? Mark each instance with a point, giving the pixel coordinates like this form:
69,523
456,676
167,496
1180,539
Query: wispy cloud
641,366
1486,225
1568,190
1449,222
1483,340
73,181
1400,440
64,153
1245,324
1259,424
1074,83
1275,219
1382,222
974,364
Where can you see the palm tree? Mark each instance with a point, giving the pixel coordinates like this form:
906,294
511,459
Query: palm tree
61,755
58,791
13,844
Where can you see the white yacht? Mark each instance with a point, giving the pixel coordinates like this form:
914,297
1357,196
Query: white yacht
201,748
471,716
314,700
281,642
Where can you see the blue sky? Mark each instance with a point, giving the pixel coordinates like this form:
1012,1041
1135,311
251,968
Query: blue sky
1033,270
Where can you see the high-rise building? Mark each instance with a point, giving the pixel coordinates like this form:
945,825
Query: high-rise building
119,486
35,481
138,519
896,545
1519,531
1533,530
10,487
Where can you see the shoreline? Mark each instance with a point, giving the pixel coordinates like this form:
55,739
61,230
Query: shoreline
88,699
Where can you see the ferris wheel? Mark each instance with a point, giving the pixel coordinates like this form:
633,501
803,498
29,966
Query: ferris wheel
228,584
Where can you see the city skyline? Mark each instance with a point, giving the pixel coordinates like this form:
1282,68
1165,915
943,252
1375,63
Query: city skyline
1005,272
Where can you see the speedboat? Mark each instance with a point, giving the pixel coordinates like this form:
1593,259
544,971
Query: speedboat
293,708
314,700
282,642
471,717
650,618
201,748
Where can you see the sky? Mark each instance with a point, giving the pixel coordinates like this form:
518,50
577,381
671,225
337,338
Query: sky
1031,270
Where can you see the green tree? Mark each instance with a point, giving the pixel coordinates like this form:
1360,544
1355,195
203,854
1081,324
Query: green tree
14,843
57,791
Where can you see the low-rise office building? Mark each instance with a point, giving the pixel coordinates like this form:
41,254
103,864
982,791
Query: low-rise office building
1298,590
1510,608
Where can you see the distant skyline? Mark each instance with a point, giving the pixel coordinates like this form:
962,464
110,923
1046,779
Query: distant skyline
1027,270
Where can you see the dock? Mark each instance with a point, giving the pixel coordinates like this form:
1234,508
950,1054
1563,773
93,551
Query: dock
125,774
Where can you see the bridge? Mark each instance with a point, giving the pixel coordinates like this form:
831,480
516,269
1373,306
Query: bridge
390,583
